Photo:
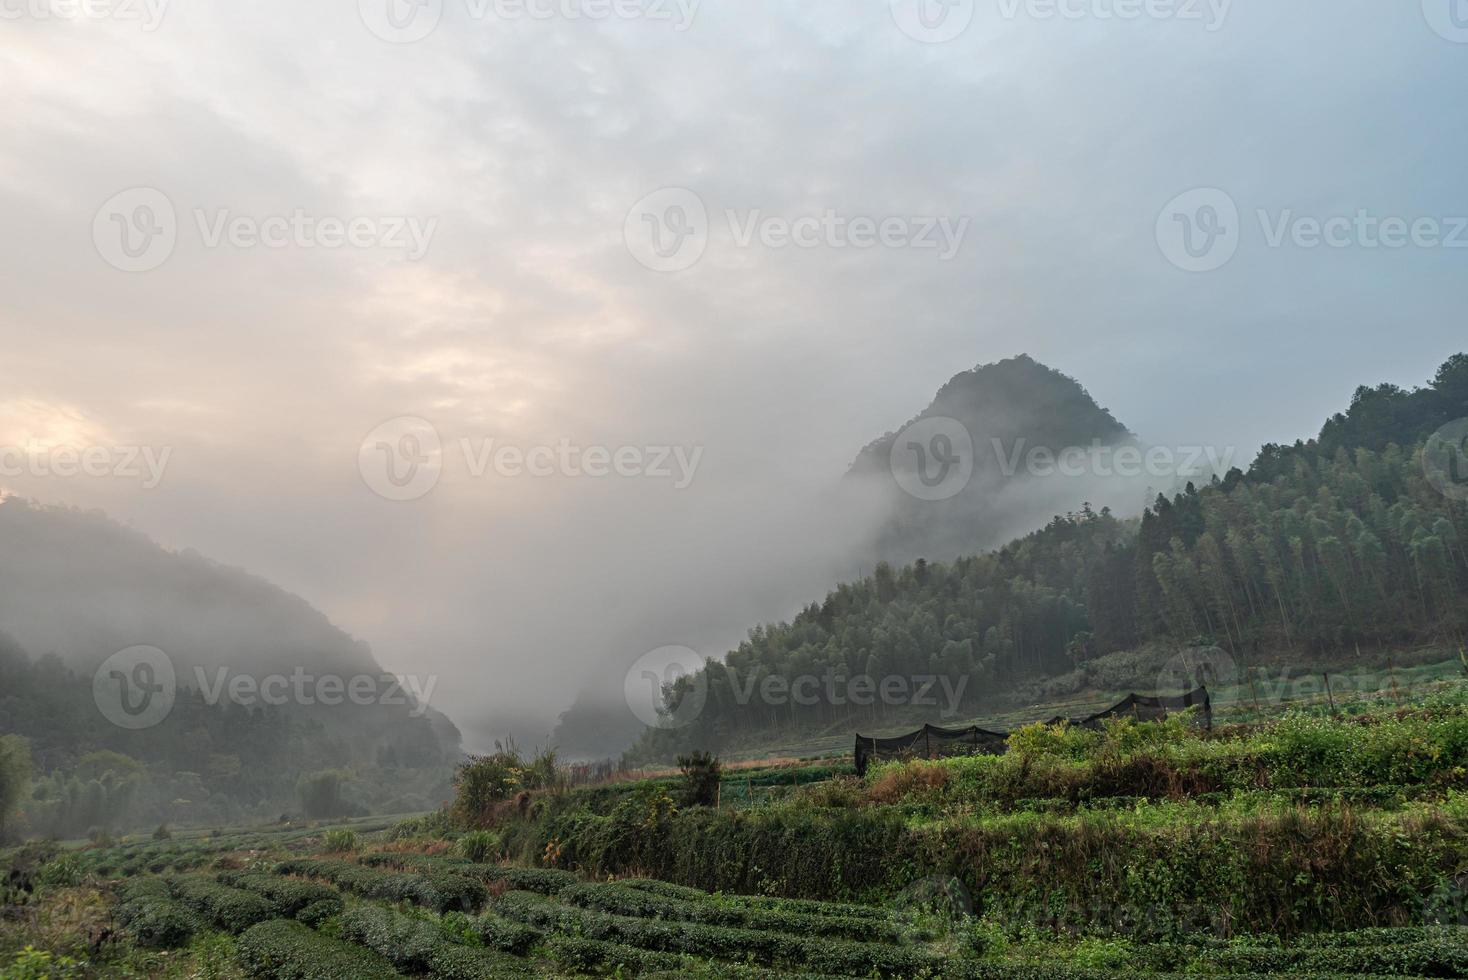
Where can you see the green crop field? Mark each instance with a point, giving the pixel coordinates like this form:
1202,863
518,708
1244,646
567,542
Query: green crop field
1313,843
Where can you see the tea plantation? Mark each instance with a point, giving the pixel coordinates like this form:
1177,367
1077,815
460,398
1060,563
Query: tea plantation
1318,844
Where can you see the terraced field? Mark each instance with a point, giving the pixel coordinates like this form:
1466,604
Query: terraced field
282,909
1323,843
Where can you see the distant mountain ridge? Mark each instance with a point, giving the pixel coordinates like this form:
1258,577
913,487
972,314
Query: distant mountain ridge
77,587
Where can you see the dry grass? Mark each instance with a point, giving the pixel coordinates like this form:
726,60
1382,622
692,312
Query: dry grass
912,778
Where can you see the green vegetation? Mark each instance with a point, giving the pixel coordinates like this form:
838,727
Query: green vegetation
230,909
701,777
1320,551
289,897
1074,885
15,776
479,845
435,889
206,764
1323,840
281,950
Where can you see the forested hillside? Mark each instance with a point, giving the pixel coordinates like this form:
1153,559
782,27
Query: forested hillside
208,763
82,588
1320,548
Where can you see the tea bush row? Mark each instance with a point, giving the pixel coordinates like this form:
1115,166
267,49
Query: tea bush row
1287,871
545,881
718,942
285,950
288,896
231,909
595,956
504,934
440,891
621,900
802,906
417,946
1440,956
155,920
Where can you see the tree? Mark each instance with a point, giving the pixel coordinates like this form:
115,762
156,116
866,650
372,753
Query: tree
701,775
320,794
15,776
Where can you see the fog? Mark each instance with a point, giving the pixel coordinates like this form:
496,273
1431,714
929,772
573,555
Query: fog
266,371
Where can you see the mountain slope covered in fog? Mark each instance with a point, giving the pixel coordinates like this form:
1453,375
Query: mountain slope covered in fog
88,586
1355,541
79,588
1005,412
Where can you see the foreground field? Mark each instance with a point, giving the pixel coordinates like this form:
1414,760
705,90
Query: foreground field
416,909
1324,843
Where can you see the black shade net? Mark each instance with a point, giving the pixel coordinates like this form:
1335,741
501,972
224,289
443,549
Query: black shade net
932,742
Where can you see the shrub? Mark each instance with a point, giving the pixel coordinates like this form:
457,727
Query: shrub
36,964
593,956
1439,957
317,913
417,946
619,959
481,782
320,794
62,872
162,833
543,881
704,941
339,840
701,775
897,781
503,934
283,950
288,896
411,861
620,900
232,909
479,845
436,824
154,919
161,925
434,889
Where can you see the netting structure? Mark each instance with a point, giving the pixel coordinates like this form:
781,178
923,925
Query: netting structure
932,742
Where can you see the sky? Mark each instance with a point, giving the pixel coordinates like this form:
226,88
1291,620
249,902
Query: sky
710,249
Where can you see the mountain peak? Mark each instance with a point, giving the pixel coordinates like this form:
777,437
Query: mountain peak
995,412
